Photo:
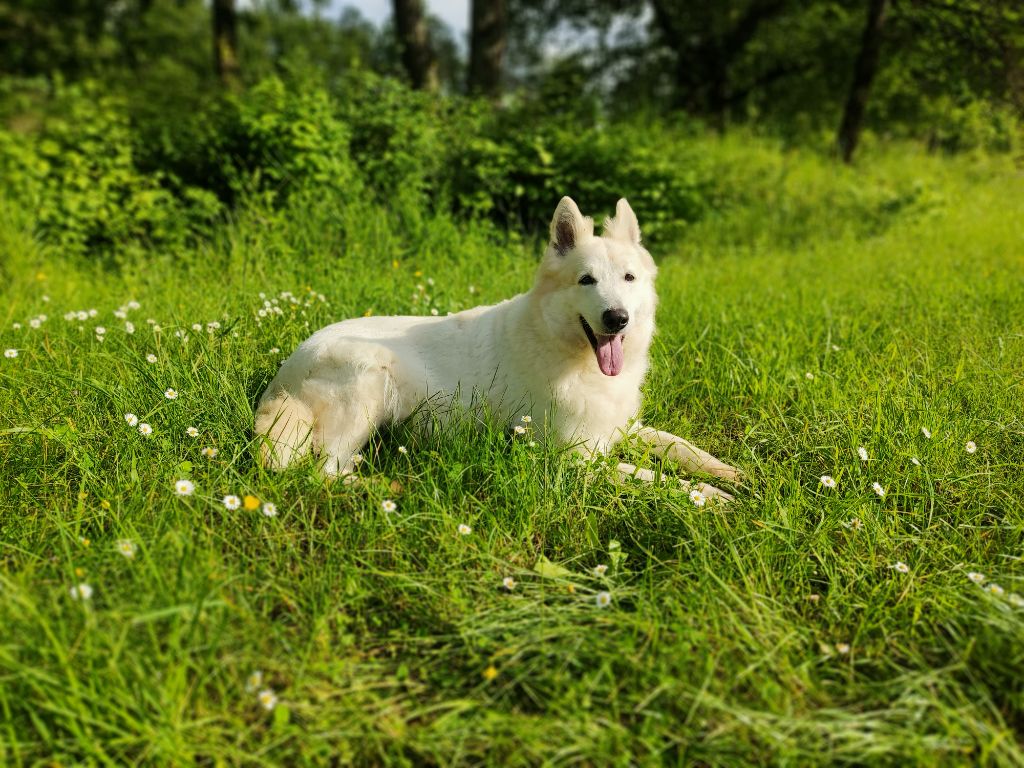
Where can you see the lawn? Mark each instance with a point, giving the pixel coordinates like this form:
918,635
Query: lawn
828,310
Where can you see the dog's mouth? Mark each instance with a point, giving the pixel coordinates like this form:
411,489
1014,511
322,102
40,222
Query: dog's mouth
607,349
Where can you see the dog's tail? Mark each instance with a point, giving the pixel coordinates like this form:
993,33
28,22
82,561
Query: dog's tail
285,426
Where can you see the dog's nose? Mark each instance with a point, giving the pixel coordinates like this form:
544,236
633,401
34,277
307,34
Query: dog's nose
615,319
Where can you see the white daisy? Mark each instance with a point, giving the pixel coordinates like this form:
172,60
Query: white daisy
901,567
603,599
10,354
877,488
275,351
127,548
184,487
192,432
977,578
35,322
809,376
828,481
995,589
100,330
1015,600
519,429
600,570
434,312
464,530
17,326
268,699
209,452
357,459
145,430
132,419
150,358
915,461
197,326
129,328
403,450
509,583
231,501
698,498
970,447
863,453
120,314
269,509
527,419
254,681
926,432
842,648
81,592
133,304
171,394
388,505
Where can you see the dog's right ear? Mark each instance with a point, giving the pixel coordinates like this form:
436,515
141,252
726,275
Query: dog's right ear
569,226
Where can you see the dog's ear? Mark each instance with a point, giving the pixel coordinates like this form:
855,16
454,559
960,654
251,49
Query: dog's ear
624,226
569,226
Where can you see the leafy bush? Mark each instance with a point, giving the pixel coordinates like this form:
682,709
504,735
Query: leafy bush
78,172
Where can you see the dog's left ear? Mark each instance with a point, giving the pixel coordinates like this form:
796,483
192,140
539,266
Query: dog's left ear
624,226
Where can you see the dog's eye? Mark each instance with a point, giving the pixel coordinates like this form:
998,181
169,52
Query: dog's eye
629,277
587,280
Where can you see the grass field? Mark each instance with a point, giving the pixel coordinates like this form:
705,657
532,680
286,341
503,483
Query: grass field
831,309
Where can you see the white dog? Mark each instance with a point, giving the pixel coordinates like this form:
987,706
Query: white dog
571,352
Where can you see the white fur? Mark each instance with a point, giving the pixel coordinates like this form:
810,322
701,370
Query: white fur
527,355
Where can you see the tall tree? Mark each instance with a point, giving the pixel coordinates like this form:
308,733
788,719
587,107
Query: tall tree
487,43
225,43
414,40
863,75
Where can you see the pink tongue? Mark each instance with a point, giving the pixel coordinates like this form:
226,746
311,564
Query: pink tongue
609,355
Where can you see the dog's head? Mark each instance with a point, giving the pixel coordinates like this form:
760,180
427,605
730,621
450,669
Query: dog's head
597,293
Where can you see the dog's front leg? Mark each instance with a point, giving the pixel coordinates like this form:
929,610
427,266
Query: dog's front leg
686,454
624,471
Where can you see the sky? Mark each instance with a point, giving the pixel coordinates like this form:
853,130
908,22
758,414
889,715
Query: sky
455,13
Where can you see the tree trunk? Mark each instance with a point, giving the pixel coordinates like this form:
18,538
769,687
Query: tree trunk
225,43
863,74
488,34
414,40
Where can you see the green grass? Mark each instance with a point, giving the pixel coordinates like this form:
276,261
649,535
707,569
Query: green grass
898,286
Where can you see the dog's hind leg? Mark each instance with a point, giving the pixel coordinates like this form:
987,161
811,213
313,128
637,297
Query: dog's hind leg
686,454
625,471
285,424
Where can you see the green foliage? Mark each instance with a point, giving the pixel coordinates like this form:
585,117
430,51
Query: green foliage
79,171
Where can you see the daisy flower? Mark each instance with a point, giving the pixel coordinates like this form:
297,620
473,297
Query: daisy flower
171,394
388,505
127,548
357,459
132,419
269,509
150,358
133,304
926,432
197,326
863,453
877,488
81,592
403,450
842,648
828,481
1015,600
129,328
603,599
192,432
464,530
854,524
901,567
809,376
600,570
254,681
995,589
145,430
509,583
100,330
698,498
209,452
915,461
268,699
970,447
527,419
977,578
184,487
231,501
10,354
519,429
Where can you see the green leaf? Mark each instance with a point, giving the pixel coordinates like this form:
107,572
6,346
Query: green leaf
549,570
